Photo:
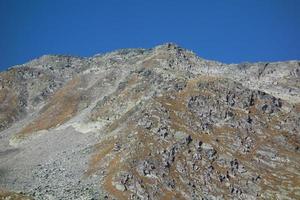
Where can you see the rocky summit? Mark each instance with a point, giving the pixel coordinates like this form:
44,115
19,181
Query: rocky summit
158,123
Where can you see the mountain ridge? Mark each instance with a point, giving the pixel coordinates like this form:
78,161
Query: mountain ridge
135,118
141,49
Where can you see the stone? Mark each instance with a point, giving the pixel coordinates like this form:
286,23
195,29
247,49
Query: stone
152,123
120,187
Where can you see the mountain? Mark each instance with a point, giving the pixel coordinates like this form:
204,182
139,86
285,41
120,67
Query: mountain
156,123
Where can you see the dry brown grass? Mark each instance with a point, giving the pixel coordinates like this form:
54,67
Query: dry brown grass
61,107
297,108
7,195
113,168
104,154
272,179
101,150
142,147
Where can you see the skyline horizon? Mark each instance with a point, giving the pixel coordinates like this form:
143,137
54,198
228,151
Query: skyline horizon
229,32
114,50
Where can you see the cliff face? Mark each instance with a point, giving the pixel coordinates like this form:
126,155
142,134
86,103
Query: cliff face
156,123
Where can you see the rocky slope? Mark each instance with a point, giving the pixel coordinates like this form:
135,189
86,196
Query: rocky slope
156,123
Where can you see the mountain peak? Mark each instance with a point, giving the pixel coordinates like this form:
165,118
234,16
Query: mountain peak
150,124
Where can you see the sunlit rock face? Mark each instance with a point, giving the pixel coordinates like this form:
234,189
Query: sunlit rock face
156,123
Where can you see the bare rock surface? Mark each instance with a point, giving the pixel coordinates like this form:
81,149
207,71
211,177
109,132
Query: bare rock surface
156,123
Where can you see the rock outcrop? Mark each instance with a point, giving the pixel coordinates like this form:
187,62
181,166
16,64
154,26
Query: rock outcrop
156,123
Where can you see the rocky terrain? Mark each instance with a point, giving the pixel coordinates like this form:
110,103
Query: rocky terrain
156,123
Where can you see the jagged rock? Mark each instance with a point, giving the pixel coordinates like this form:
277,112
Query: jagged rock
163,132
146,168
156,123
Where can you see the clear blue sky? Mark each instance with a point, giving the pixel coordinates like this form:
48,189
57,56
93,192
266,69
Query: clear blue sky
224,30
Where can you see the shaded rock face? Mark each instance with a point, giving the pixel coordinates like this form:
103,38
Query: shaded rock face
160,123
